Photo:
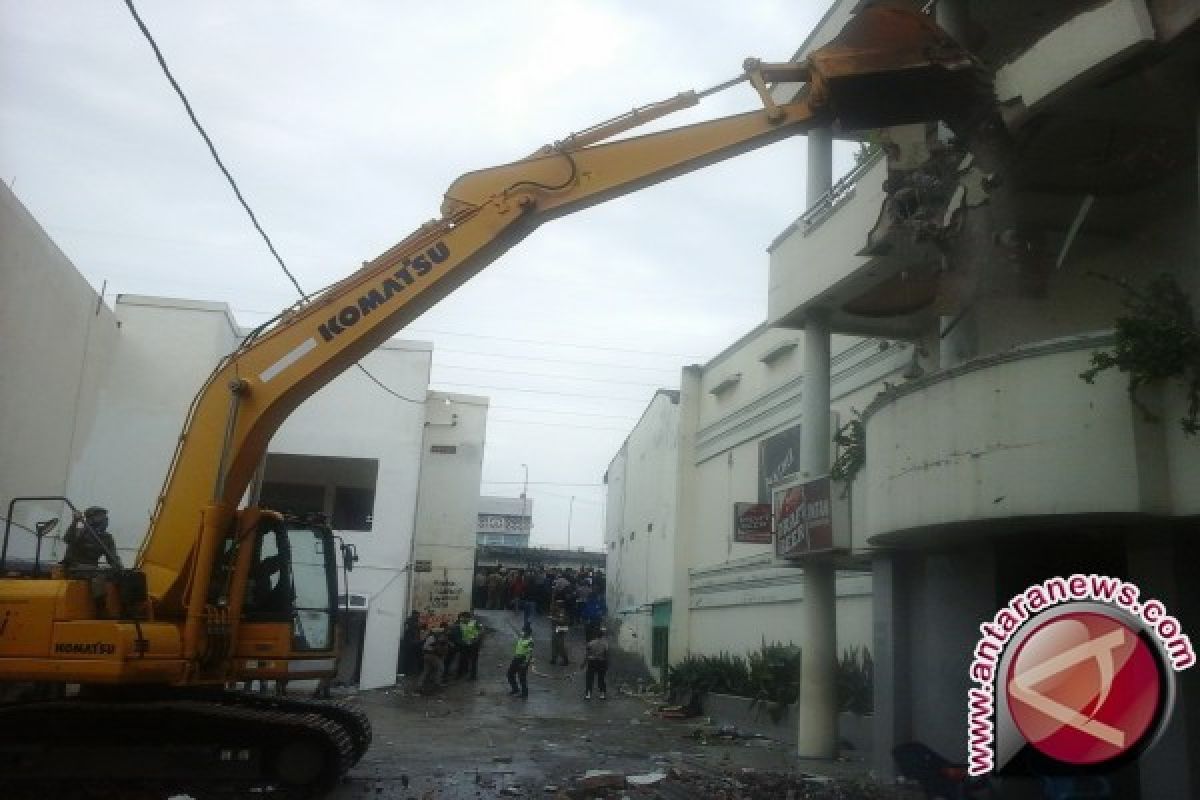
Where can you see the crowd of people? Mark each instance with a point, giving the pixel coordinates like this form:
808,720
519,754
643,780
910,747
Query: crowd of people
537,590
436,650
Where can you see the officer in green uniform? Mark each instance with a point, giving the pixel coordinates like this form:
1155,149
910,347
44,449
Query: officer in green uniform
472,638
519,668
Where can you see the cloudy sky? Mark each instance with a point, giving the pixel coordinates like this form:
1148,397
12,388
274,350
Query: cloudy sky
344,122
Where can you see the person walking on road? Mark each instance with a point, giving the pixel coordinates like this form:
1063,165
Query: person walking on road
597,665
558,642
433,651
472,638
456,649
519,668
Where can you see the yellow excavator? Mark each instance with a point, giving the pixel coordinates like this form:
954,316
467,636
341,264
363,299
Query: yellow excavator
128,671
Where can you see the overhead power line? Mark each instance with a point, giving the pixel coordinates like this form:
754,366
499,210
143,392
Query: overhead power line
628,417
641,400
571,361
212,149
540,483
554,344
555,425
549,375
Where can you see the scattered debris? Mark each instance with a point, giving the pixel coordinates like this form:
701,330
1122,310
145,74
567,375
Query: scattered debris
602,779
648,779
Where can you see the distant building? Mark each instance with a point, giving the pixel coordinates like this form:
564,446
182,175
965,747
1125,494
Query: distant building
504,521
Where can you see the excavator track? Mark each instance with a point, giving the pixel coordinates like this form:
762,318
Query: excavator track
219,748
348,715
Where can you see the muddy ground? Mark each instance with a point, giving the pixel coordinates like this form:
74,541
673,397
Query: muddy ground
472,740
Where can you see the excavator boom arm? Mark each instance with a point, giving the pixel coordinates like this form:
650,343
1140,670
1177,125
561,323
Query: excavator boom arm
484,214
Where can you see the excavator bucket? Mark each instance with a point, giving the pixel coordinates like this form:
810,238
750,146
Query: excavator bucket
890,66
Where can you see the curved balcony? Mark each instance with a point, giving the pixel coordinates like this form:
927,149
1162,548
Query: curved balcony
1018,435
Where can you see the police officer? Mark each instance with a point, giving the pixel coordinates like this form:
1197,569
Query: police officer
472,638
88,539
519,668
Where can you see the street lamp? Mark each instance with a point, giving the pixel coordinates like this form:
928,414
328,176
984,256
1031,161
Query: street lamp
525,503
570,514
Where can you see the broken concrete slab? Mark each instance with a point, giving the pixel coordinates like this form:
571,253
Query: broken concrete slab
602,779
649,779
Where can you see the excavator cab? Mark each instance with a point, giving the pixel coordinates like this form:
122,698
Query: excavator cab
288,622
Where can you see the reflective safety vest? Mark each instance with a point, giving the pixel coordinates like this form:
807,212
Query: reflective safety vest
524,648
470,631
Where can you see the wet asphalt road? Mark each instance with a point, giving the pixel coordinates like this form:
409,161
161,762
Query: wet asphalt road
472,740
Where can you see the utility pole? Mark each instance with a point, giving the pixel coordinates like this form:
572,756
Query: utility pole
570,514
525,504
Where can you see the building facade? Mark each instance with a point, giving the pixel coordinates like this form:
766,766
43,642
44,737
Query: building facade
948,296
997,243
683,577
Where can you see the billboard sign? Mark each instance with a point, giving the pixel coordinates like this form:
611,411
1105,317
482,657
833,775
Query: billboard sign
752,523
778,460
804,519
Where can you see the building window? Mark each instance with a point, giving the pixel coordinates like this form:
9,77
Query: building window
293,498
649,527
352,508
443,449
340,489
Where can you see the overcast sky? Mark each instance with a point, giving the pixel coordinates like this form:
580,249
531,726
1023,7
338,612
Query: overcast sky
344,122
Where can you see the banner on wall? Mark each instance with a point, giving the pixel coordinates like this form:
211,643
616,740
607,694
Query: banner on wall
752,523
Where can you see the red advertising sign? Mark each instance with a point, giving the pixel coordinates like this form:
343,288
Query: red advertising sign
803,519
752,523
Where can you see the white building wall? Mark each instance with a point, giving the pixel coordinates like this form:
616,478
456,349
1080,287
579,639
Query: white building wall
166,350
56,342
352,417
447,503
640,523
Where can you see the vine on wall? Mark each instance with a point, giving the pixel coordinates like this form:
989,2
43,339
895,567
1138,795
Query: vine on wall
1157,339
851,441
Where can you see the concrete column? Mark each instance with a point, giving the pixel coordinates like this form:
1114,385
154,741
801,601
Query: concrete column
893,699
820,164
817,712
814,399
